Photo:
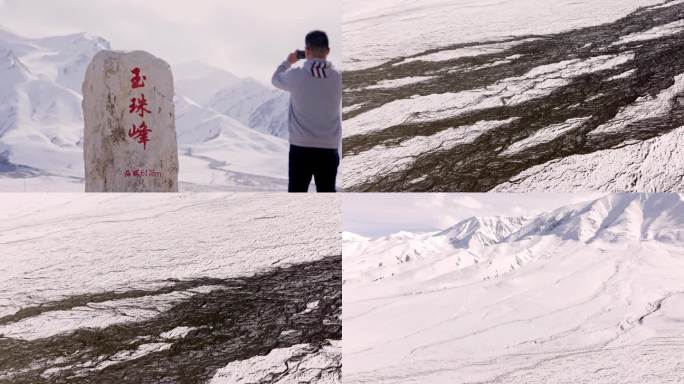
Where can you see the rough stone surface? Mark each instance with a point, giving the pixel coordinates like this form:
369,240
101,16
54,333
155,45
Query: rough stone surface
115,159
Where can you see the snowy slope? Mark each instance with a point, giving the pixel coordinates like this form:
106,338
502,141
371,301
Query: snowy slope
513,96
164,287
40,106
482,231
438,23
586,293
235,155
255,105
27,217
41,121
250,102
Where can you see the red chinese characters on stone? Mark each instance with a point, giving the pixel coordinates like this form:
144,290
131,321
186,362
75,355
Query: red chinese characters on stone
140,133
138,106
138,80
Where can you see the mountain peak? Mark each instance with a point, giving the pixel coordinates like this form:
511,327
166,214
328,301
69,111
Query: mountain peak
482,231
611,218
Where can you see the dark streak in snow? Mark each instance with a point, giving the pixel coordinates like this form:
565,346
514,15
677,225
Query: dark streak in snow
246,318
480,166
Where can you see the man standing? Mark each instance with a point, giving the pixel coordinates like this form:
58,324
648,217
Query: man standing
315,122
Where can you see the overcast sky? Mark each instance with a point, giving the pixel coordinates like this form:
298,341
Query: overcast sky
246,37
376,215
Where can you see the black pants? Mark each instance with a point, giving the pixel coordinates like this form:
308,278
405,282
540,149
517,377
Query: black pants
321,163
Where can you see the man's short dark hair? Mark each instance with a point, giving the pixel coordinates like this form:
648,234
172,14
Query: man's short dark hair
317,40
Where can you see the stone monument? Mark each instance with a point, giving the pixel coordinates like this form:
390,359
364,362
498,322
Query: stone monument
130,130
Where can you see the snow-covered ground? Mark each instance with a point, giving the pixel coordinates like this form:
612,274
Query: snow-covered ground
231,131
573,79
376,32
653,165
184,236
296,364
98,284
588,293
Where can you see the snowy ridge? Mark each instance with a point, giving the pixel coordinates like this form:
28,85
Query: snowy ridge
615,218
483,231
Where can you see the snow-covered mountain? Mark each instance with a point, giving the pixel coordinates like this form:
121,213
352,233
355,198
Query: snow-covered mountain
570,295
41,120
615,218
248,101
236,155
482,231
405,251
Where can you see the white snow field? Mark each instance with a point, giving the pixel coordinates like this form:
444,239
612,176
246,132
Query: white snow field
375,32
140,241
231,131
588,293
75,264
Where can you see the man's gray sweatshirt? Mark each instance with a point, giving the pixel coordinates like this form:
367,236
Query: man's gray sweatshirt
315,103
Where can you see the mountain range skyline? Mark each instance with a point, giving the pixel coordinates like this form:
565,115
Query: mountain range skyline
489,228
376,215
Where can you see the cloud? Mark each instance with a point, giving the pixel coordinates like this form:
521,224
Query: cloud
467,202
446,221
519,211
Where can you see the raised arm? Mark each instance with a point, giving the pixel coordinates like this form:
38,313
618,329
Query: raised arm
281,78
